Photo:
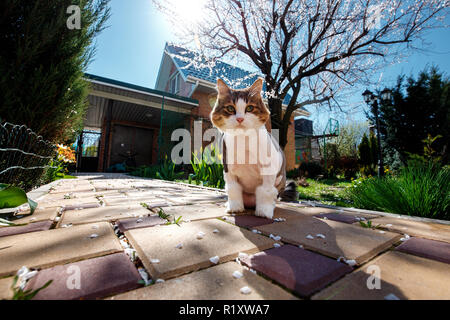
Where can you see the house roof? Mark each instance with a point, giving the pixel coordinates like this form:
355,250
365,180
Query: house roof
117,83
190,64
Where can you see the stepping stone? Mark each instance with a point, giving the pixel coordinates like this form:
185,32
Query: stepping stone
402,276
215,283
68,202
6,293
338,217
194,198
161,243
44,249
80,206
341,240
430,249
102,214
247,221
193,212
40,214
98,278
135,223
433,231
69,190
300,270
31,227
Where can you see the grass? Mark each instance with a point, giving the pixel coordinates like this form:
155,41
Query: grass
327,191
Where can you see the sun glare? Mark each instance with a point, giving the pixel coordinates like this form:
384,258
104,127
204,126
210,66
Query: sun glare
189,11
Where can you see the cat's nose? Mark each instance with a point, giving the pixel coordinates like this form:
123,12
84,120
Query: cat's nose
239,120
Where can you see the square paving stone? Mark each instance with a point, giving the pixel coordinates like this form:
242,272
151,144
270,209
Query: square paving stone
193,198
300,270
135,223
133,201
107,213
215,283
247,221
341,239
40,214
338,217
426,230
402,276
99,277
431,249
6,293
193,212
68,202
31,227
44,249
162,243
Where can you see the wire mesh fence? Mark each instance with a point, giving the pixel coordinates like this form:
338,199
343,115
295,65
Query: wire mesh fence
24,156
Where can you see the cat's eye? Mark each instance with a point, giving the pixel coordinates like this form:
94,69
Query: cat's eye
249,108
230,109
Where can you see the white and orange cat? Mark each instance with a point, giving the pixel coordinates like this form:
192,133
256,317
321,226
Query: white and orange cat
254,164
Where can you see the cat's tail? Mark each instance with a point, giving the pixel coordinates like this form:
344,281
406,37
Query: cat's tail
290,192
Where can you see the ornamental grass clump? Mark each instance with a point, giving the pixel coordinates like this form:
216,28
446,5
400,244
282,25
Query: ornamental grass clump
420,189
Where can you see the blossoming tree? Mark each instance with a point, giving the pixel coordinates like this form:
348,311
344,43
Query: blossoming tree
310,49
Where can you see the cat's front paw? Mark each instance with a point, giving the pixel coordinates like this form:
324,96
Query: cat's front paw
234,206
265,210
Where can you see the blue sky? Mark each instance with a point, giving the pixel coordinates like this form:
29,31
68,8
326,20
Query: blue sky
131,48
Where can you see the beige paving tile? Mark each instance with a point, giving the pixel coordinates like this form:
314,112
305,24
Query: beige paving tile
107,213
215,283
160,242
402,276
6,293
48,248
196,212
67,202
38,215
426,230
341,239
311,211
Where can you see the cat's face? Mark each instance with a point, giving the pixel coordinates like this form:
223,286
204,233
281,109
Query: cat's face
239,109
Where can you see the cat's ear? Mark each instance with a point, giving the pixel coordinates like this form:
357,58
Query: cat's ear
256,87
222,87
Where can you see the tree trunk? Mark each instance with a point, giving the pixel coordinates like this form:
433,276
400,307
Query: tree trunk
276,118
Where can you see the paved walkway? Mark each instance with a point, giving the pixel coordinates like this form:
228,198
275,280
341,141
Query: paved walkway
118,237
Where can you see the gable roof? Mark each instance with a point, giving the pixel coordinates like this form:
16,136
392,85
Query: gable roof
190,64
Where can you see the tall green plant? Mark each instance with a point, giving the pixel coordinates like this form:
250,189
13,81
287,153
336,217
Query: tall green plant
420,189
208,169
167,171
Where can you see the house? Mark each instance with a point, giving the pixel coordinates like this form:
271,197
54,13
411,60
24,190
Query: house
133,124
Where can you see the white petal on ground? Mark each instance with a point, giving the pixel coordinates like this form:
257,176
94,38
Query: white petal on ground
351,263
309,236
246,290
242,255
139,220
319,235
216,231
200,235
300,246
179,246
389,225
381,231
276,245
159,281
144,275
214,259
93,236
154,260
255,231
237,274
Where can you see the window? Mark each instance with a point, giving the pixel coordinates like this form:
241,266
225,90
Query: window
174,84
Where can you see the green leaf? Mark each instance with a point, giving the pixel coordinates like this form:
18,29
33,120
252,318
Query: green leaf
11,197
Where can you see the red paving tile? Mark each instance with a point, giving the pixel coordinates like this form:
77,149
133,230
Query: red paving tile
430,249
99,277
297,269
337,217
31,227
247,221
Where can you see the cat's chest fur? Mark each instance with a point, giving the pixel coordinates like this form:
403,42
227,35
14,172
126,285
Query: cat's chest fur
245,162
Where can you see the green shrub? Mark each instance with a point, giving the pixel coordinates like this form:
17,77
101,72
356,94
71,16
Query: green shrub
166,171
311,169
420,189
208,170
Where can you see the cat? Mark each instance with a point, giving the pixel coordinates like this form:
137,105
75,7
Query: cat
254,163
